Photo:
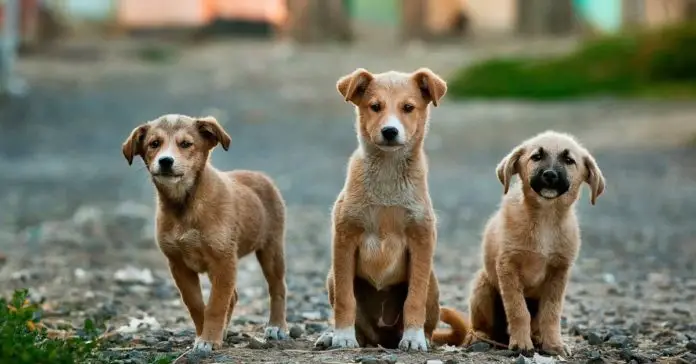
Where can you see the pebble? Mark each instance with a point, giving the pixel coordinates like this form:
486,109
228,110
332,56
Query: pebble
433,361
594,339
296,332
521,360
595,358
315,327
618,341
479,347
257,344
505,352
691,345
131,275
164,346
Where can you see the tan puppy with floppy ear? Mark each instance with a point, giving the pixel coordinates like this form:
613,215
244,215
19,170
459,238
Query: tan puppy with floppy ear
207,219
529,246
383,221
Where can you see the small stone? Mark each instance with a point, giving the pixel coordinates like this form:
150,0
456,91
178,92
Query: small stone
296,332
132,275
618,341
389,359
256,344
691,345
520,360
312,315
314,327
595,358
367,360
164,346
507,353
479,347
594,339
433,361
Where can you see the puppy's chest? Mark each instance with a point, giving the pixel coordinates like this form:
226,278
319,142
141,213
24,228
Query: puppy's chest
548,249
383,250
186,244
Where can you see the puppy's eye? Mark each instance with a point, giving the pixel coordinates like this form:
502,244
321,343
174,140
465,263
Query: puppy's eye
154,144
568,160
408,108
376,107
185,144
536,157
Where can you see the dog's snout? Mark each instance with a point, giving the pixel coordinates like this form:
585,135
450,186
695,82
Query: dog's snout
549,176
166,163
390,133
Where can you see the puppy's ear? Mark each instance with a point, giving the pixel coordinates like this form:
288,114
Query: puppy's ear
134,143
432,87
353,86
594,178
508,167
211,130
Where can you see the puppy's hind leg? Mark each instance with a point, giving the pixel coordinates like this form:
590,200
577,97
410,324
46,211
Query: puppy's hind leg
272,261
482,309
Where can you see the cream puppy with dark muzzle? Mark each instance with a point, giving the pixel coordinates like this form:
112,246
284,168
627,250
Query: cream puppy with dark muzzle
383,223
207,219
530,245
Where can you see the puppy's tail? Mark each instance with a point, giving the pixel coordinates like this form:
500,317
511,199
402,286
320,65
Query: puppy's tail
458,332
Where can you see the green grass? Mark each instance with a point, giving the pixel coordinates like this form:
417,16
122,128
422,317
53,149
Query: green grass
23,340
658,63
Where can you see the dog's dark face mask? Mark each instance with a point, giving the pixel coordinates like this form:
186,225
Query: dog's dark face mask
549,177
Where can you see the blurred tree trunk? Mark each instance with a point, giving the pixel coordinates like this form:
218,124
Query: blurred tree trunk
413,20
318,20
690,10
545,17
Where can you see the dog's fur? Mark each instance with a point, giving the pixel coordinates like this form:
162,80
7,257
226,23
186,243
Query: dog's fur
207,219
529,247
381,284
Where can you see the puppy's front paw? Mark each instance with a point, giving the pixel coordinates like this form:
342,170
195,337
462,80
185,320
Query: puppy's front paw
202,347
522,343
555,347
413,340
344,338
324,340
275,333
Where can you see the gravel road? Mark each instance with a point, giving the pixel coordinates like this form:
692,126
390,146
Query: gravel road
77,221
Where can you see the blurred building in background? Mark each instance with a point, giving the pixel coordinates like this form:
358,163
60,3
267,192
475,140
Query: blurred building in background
343,20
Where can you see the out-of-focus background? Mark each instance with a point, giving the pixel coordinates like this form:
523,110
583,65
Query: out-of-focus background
76,222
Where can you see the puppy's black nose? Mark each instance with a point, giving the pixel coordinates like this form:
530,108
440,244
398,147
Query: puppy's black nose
390,133
549,176
166,163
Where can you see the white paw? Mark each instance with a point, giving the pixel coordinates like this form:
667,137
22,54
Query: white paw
201,346
324,340
344,338
275,333
413,340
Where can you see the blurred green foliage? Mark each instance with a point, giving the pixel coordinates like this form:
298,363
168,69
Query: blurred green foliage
658,63
23,340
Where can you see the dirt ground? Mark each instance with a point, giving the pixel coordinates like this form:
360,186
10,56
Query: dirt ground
77,222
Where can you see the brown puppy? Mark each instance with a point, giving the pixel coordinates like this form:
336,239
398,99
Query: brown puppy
207,219
530,244
383,223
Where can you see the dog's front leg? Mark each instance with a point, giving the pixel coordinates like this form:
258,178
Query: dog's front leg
550,309
222,273
421,246
516,312
189,286
345,243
